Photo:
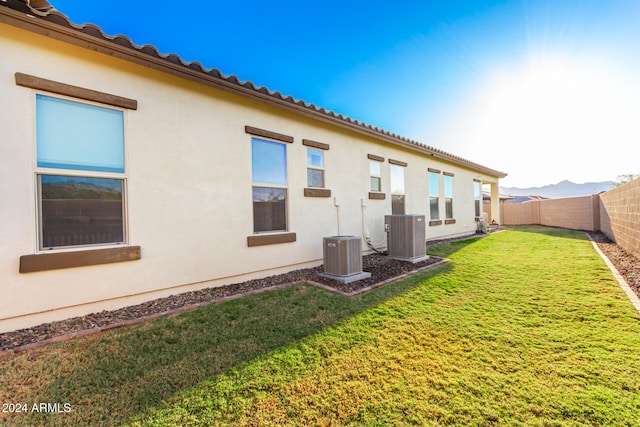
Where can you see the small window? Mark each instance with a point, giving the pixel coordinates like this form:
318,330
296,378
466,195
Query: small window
448,197
397,189
315,168
374,171
434,191
80,173
269,169
477,195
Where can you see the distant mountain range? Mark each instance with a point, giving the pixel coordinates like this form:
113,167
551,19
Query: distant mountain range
560,190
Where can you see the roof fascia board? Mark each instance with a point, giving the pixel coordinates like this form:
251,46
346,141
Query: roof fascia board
109,47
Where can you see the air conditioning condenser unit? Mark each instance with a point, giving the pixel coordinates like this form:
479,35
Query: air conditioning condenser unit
406,237
342,257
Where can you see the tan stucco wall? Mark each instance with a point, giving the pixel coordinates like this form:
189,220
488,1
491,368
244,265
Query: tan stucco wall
620,216
188,164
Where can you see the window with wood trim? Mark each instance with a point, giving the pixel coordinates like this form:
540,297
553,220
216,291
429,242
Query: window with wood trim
477,196
448,197
434,196
269,172
375,176
80,171
315,168
397,189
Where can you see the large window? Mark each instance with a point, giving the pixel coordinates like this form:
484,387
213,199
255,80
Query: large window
477,196
448,196
269,169
397,189
315,168
80,173
434,191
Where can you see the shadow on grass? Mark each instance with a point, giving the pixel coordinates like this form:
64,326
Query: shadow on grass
116,376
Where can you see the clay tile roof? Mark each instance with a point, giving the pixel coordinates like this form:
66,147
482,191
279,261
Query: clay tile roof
50,22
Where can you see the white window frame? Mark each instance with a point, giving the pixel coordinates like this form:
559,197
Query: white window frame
401,169
436,176
285,187
448,196
378,176
44,171
316,168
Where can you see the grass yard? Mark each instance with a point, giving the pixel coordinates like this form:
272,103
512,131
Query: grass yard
524,327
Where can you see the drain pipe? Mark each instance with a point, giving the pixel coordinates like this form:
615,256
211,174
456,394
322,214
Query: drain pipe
367,240
337,205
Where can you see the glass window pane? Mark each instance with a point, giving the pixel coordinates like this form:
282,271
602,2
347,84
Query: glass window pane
477,203
433,184
476,190
374,168
397,204
73,135
433,207
448,207
375,183
315,178
269,209
269,162
397,179
315,158
80,211
448,186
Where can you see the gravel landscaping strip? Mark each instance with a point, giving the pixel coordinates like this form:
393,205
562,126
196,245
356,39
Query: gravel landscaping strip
382,269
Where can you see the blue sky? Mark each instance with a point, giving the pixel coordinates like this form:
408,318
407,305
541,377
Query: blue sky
544,90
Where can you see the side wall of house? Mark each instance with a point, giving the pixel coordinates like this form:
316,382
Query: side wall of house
188,187
620,216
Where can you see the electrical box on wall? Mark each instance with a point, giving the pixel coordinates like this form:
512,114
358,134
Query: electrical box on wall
406,237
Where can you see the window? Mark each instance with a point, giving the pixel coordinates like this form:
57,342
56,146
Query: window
269,169
374,171
315,168
477,195
397,189
81,182
434,191
448,196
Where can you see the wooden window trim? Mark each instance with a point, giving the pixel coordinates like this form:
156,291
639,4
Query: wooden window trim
377,196
449,221
270,239
59,260
268,134
317,192
448,174
433,170
374,157
397,162
315,144
39,83
477,180
435,222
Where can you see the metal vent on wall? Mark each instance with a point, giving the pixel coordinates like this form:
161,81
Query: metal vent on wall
406,237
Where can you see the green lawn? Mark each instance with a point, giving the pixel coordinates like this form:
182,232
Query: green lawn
524,327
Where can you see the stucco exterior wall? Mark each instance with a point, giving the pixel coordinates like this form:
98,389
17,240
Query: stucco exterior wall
620,216
189,181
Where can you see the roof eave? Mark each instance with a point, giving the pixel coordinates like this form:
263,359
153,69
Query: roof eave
58,27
